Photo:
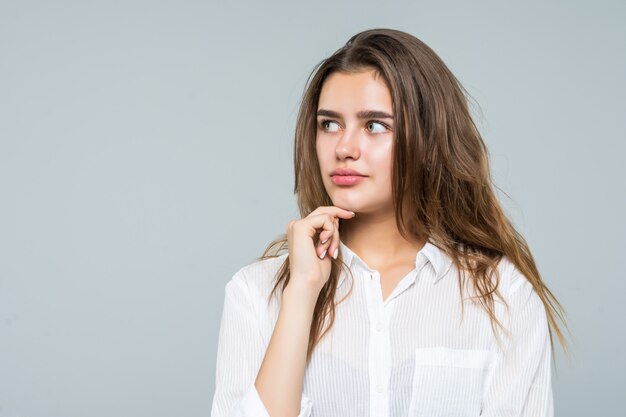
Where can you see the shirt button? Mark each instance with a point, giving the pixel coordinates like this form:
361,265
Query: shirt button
380,326
380,388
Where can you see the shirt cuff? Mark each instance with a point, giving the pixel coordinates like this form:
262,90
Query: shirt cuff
252,406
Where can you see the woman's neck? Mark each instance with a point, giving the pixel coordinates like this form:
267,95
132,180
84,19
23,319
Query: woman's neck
377,240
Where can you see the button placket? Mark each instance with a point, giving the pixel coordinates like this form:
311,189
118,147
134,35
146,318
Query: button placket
380,354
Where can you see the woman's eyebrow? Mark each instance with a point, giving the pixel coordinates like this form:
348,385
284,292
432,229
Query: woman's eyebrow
364,114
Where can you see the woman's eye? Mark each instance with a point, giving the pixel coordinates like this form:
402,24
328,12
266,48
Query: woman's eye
329,126
376,127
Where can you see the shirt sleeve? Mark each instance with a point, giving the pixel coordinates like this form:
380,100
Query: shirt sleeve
240,352
520,382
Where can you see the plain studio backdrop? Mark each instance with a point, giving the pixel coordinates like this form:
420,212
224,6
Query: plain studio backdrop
146,155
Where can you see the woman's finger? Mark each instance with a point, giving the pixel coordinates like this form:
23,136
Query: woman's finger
332,210
328,238
334,246
325,235
325,222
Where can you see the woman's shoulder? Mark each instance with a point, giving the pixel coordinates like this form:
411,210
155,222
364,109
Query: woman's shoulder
512,280
259,275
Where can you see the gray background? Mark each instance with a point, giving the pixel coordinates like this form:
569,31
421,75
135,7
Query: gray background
146,155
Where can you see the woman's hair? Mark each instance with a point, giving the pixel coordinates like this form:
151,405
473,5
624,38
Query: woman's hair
440,174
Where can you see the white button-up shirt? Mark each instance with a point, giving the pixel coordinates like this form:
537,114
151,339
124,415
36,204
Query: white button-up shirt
413,354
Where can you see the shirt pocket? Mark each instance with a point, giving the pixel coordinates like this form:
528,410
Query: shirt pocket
449,382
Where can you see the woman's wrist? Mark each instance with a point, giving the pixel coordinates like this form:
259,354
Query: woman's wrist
300,294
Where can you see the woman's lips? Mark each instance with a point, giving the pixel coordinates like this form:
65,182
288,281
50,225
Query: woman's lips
347,179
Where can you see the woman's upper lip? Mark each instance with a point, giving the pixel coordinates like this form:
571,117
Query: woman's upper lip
346,171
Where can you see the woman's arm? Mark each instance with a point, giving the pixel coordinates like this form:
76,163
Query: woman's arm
520,384
281,377
241,350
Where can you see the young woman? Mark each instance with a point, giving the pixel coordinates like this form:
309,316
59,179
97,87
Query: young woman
405,290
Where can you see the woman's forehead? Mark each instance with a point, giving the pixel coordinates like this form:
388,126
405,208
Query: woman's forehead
355,91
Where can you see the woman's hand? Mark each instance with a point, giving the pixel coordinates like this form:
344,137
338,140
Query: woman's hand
309,266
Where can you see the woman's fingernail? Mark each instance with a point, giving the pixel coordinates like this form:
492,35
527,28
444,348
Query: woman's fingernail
325,240
336,252
323,254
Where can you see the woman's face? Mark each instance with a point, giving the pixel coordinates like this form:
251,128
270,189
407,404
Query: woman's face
354,131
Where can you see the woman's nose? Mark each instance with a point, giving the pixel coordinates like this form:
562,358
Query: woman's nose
348,144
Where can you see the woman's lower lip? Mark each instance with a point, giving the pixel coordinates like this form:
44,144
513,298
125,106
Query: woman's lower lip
347,179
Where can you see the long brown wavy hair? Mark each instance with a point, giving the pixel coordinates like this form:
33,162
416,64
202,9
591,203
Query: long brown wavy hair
440,173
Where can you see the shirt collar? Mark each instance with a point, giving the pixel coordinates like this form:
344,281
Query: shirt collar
429,253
